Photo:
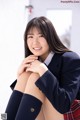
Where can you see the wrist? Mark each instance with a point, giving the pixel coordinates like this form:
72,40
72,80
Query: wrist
42,69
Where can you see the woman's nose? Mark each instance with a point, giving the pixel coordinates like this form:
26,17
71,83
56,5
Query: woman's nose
35,40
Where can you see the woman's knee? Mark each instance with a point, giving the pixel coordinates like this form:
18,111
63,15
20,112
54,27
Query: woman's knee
32,79
34,76
24,76
22,81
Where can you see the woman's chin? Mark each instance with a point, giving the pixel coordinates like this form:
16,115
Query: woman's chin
37,54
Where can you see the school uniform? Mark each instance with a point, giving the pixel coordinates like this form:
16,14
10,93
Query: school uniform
61,83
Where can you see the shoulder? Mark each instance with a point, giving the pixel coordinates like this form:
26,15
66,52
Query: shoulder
70,56
70,60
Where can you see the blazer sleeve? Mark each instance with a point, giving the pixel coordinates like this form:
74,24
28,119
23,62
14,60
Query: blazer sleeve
62,92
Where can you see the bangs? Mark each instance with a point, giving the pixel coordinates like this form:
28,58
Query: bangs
30,31
38,24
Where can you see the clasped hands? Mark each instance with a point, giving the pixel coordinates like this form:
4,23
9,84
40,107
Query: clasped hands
32,64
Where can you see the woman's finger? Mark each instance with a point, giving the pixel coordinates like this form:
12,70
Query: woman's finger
28,61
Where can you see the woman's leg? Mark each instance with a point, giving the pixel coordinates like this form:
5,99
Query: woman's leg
22,81
32,100
16,96
50,113
41,115
32,89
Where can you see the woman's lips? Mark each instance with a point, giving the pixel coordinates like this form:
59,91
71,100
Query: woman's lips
37,48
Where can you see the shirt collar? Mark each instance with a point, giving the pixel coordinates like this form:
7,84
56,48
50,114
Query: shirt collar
49,58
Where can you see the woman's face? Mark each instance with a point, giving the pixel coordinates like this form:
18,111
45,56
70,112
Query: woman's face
37,44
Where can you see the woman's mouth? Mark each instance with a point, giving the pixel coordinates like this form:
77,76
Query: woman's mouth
37,48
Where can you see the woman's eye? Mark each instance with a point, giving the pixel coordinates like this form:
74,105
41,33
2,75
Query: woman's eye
41,35
29,36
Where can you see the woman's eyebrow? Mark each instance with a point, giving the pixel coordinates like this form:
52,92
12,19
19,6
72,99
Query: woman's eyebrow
30,34
40,33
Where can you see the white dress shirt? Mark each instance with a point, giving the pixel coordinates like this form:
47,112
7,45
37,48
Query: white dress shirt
49,58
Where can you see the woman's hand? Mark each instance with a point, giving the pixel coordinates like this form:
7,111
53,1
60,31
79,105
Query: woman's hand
37,67
26,63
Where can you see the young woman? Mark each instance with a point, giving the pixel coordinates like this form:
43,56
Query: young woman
48,79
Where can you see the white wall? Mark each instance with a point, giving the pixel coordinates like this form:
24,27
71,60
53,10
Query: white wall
13,18
41,7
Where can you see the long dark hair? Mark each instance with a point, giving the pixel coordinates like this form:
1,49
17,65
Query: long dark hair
49,32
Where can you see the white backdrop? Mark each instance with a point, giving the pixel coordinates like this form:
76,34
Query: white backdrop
13,18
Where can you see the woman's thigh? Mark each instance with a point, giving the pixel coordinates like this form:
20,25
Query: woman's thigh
41,115
50,113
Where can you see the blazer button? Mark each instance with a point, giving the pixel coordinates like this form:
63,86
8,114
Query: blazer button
32,109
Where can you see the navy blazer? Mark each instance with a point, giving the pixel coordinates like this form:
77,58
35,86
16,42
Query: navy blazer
61,83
